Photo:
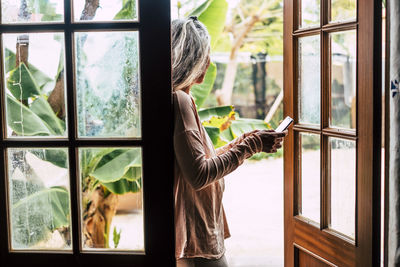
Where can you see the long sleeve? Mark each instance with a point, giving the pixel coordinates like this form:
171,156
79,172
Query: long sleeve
233,143
197,169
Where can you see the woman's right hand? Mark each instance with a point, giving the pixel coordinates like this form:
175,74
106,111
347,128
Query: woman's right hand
271,140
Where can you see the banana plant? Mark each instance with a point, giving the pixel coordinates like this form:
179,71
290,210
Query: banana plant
30,226
212,13
222,124
106,171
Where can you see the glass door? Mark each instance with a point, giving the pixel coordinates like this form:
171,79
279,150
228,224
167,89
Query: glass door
83,124
332,154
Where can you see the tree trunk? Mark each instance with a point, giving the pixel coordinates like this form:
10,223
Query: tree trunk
22,51
57,97
224,96
21,56
274,107
90,9
259,83
97,216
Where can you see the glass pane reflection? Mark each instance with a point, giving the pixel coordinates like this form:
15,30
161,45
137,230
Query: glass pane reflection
343,79
32,11
111,200
39,197
342,10
107,81
109,10
310,176
343,186
309,79
35,81
310,13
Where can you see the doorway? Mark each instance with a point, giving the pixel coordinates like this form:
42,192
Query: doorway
249,76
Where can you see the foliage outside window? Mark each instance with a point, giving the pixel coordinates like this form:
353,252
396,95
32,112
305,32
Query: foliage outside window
107,106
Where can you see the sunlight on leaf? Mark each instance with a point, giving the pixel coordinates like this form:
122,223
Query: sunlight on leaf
22,84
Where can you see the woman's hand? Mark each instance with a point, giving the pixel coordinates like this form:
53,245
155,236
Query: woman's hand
271,140
250,133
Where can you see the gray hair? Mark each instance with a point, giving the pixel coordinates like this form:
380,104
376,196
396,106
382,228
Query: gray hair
190,50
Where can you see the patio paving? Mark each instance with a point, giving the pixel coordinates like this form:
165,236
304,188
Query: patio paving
253,202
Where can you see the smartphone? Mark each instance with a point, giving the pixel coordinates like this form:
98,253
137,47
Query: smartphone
284,124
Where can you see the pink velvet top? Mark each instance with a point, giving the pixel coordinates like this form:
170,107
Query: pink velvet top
200,223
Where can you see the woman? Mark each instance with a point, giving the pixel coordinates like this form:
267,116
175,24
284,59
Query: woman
200,223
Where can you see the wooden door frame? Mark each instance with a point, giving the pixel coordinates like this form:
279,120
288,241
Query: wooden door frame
366,251
387,137
156,102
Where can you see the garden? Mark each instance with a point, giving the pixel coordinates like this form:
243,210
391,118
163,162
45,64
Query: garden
108,106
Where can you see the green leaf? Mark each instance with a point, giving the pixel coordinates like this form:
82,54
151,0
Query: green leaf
200,9
50,205
117,167
227,135
119,170
213,133
23,121
212,14
44,111
91,157
58,157
224,43
9,60
201,91
220,136
208,113
22,84
41,79
218,117
124,186
116,237
128,10
36,212
133,174
241,126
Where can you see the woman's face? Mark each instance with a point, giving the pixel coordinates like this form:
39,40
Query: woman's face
203,75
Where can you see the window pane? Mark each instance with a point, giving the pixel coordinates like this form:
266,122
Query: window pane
310,176
108,10
112,213
34,82
343,79
343,185
32,11
107,82
310,15
342,10
38,184
309,79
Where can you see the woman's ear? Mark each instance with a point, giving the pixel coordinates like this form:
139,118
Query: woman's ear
201,77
